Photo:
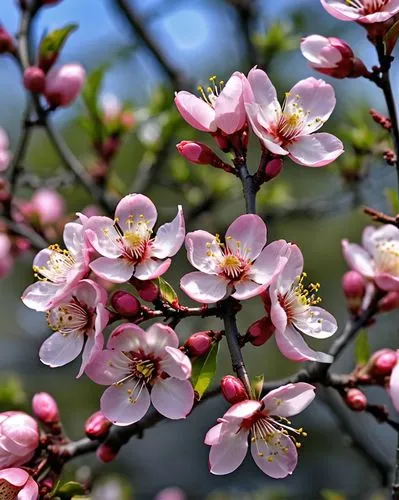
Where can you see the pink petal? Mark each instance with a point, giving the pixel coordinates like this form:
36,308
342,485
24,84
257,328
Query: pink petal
204,288
199,245
59,349
196,112
313,48
92,347
367,239
265,94
262,129
137,206
90,293
394,387
229,453
340,10
315,150
108,367
277,457
277,312
14,476
270,262
358,259
125,404
128,337
30,491
117,270
40,295
176,364
242,410
229,107
173,398
158,337
73,238
247,289
170,237
377,17
289,399
292,269
387,232
387,282
247,236
151,269
320,324
292,346
101,233
214,435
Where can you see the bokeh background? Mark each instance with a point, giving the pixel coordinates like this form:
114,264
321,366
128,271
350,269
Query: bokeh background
345,455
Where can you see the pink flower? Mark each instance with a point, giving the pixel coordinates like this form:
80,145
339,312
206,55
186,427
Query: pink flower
126,243
332,56
294,312
136,361
378,259
5,155
273,445
58,270
16,484
6,258
362,11
49,205
45,408
78,320
218,109
243,267
64,84
19,438
289,130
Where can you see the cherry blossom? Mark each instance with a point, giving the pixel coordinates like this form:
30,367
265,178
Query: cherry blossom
393,387
126,243
136,362
58,270
242,267
64,84
378,258
294,311
273,440
290,130
6,257
19,438
5,155
16,484
78,322
362,11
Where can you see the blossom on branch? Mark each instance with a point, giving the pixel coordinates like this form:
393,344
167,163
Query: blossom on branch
273,441
242,267
136,362
289,130
63,84
362,11
16,484
5,155
126,243
19,438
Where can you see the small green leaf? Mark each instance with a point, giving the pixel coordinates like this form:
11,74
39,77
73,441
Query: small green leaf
391,37
392,197
204,369
52,43
166,291
69,490
90,96
362,348
257,386
332,495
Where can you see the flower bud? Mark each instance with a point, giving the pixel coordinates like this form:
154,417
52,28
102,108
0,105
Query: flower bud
147,290
97,426
196,152
6,42
353,284
332,56
382,362
48,205
105,453
19,436
64,84
389,302
356,400
233,389
45,408
260,331
273,168
125,303
198,344
34,79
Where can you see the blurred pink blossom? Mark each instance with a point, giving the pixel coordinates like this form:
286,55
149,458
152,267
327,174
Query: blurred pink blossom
64,84
19,438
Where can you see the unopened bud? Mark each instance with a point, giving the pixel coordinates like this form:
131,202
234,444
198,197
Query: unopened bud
45,408
97,426
105,453
222,142
260,331
382,362
64,84
381,119
198,344
356,400
233,389
6,42
125,303
273,168
34,79
147,290
389,302
353,284
196,152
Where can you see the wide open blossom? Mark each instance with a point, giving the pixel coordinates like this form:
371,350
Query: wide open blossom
79,320
16,484
126,243
362,11
220,108
289,130
19,438
137,362
294,311
378,259
58,270
242,267
273,441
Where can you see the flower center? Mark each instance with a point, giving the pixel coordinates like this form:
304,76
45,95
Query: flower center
366,7
231,266
233,263
70,317
8,491
299,298
58,266
212,92
387,257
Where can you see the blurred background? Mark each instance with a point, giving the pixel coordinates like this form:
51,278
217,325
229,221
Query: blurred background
345,456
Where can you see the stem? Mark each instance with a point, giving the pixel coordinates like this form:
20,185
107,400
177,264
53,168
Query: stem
248,185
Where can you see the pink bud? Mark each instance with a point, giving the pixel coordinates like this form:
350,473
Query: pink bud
199,343
34,79
6,42
356,400
233,389
45,408
125,303
196,152
273,168
147,290
19,435
382,362
49,205
97,426
389,302
260,331
353,284
105,453
64,84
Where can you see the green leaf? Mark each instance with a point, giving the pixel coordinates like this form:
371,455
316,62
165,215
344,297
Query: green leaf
257,386
166,291
391,37
52,43
204,369
90,96
362,348
69,490
392,197
332,495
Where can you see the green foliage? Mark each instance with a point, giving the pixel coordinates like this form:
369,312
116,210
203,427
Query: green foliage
392,197
257,386
332,495
90,95
204,369
52,43
69,490
12,394
362,348
166,290
279,37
